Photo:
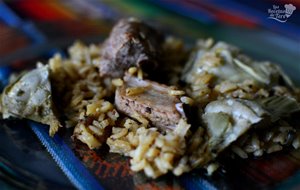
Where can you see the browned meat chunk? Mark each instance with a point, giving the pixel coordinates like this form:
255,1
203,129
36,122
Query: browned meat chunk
131,43
150,100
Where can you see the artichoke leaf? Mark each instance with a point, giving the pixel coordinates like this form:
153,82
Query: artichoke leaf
286,78
279,106
30,97
255,73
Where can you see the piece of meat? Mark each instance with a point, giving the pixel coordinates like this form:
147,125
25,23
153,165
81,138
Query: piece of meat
131,43
154,103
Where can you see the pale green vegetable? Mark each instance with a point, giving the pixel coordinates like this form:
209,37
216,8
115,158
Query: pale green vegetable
226,120
30,97
218,123
279,106
255,73
226,62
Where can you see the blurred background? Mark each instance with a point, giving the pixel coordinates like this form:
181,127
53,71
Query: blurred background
32,30
32,27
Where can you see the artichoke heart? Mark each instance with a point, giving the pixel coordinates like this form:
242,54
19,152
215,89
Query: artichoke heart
226,120
30,97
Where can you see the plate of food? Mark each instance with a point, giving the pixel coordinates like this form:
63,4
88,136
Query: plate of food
143,110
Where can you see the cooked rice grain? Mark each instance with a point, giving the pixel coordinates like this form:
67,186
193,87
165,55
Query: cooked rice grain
176,92
132,91
117,82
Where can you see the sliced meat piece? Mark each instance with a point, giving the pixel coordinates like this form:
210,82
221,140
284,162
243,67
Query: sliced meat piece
131,43
151,100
